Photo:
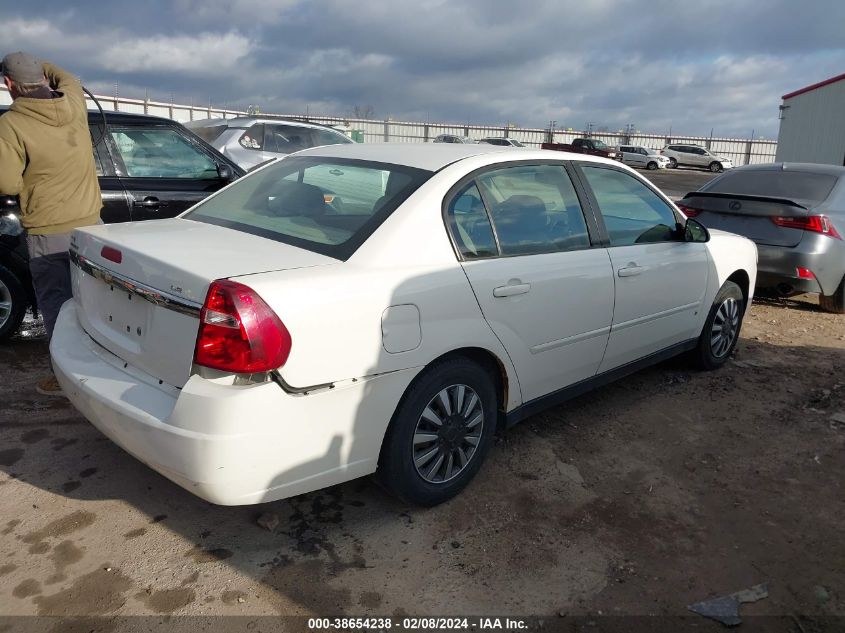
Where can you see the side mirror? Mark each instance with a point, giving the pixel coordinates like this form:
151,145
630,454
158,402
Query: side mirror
224,172
695,231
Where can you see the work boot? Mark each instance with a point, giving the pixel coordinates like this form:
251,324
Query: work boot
49,387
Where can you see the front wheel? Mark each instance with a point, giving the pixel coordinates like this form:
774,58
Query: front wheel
13,303
721,330
440,433
715,167
673,164
836,302
651,166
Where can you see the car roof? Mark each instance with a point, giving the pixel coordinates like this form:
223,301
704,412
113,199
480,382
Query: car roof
126,118
246,121
815,168
436,156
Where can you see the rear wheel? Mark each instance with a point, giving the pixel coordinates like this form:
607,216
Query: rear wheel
721,330
673,164
836,302
440,433
652,165
13,303
715,167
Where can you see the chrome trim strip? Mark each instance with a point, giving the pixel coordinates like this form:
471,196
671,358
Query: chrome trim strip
653,317
577,338
148,293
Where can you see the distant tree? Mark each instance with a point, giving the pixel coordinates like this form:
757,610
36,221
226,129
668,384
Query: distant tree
363,112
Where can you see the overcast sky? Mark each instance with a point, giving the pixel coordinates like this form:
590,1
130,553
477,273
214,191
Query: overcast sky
691,66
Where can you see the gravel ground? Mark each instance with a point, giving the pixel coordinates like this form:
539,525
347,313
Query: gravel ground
667,488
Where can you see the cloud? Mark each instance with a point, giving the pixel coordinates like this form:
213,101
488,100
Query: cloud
688,66
201,54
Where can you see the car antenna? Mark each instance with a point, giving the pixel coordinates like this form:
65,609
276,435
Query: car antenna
103,114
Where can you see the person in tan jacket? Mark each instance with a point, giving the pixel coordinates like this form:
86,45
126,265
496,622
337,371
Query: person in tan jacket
46,160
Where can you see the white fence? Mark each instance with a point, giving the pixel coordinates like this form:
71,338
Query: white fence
740,151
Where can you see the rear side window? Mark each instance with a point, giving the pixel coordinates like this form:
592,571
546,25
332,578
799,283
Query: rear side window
329,206
534,209
632,213
470,225
792,185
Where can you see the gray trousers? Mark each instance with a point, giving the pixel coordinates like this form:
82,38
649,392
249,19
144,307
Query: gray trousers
49,265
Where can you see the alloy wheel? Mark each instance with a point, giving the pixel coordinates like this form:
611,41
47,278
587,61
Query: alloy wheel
5,304
725,327
448,433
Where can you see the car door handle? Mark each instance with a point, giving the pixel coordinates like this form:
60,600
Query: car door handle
511,290
630,270
149,203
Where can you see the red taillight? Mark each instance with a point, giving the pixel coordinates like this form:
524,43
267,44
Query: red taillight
804,273
239,333
111,254
689,212
815,223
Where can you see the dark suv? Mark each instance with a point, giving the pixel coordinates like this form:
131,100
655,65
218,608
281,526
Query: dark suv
148,168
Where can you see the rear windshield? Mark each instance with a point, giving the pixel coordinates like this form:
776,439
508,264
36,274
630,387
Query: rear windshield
210,133
792,185
326,205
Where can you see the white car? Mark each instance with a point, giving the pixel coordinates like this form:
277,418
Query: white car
695,156
639,156
383,308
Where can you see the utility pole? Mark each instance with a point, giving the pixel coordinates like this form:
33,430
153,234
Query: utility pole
552,125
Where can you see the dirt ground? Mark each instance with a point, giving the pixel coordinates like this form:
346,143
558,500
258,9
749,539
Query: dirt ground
670,487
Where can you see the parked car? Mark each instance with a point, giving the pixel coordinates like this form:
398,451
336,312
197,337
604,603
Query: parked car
639,156
453,138
148,168
252,140
383,308
591,146
501,141
695,156
796,215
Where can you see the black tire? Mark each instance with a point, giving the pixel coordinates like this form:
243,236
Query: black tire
651,166
13,303
715,167
836,302
400,466
673,164
724,320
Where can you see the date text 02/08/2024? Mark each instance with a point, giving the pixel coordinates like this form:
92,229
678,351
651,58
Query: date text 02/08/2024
417,624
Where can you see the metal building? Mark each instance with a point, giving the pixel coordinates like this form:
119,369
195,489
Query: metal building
812,124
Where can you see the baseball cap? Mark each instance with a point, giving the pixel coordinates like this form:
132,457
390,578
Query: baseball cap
22,68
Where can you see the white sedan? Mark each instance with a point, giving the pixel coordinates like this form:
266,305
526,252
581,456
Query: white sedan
359,309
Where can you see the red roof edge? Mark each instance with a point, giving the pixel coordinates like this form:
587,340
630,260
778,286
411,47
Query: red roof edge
814,86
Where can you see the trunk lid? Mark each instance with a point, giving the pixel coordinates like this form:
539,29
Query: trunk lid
145,308
749,216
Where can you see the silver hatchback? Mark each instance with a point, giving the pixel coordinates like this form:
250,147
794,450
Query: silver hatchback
250,141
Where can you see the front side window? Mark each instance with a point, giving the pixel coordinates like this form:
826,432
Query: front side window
329,206
633,213
161,153
470,225
534,209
